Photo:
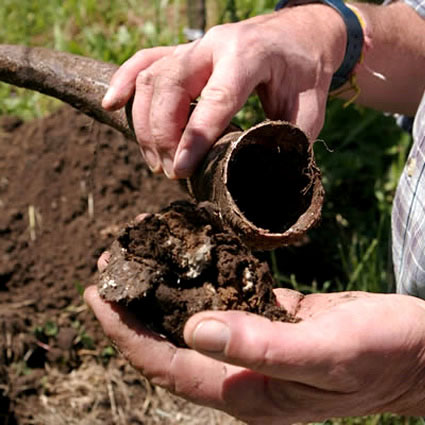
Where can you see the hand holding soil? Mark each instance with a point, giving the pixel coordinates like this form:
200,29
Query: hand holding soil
328,365
169,266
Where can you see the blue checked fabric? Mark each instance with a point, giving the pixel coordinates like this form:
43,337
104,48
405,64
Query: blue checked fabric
418,5
408,215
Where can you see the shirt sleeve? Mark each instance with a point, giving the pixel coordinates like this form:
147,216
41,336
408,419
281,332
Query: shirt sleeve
417,5
408,218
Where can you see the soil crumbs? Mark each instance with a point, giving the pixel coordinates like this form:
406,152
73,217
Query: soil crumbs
67,186
181,261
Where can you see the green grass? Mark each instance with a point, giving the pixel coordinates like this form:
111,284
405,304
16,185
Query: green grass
361,158
360,175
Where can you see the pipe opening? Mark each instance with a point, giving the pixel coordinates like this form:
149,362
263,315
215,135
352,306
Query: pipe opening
268,184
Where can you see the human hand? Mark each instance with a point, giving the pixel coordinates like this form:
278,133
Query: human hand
289,57
352,354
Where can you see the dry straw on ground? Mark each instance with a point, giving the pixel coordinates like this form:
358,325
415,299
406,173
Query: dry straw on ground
115,394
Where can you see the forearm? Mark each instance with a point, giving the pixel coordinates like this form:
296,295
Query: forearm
392,75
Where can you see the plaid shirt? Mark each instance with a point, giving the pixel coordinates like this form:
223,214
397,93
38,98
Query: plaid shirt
408,215
418,5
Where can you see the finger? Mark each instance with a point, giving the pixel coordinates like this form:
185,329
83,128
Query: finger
289,299
299,352
182,371
179,80
168,117
309,113
141,110
123,82
161,106
103,261
228,88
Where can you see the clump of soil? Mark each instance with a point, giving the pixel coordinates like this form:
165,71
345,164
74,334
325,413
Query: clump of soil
181,261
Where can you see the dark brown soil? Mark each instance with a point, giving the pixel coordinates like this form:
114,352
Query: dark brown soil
181,261
67,185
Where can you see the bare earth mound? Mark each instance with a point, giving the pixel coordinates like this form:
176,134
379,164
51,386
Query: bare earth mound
67,185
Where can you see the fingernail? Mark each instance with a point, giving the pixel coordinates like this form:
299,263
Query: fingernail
109,100
211,335
183,161
151,159
168,167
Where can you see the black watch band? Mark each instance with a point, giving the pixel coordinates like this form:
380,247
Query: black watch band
355,37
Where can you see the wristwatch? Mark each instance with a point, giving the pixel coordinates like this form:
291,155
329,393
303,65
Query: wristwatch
355,38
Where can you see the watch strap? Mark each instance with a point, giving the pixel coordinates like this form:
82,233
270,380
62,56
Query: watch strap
355,37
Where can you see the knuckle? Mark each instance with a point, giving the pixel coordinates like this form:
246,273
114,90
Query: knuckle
140,54
218,95
163,374
136,58
184,49
245,42
239,37
161,139
169,73
172,77
145,78
216,32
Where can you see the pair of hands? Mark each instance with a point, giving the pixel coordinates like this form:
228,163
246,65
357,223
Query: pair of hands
352,354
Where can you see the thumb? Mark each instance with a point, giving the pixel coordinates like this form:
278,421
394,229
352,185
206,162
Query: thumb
289,351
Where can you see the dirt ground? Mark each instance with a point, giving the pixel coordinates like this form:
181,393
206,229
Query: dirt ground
67,185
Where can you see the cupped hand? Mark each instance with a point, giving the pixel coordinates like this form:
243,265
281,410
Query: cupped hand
352,354
288,57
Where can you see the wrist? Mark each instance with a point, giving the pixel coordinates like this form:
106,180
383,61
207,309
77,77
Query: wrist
321,22
354,26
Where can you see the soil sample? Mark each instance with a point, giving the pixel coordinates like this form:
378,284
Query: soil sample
181,261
